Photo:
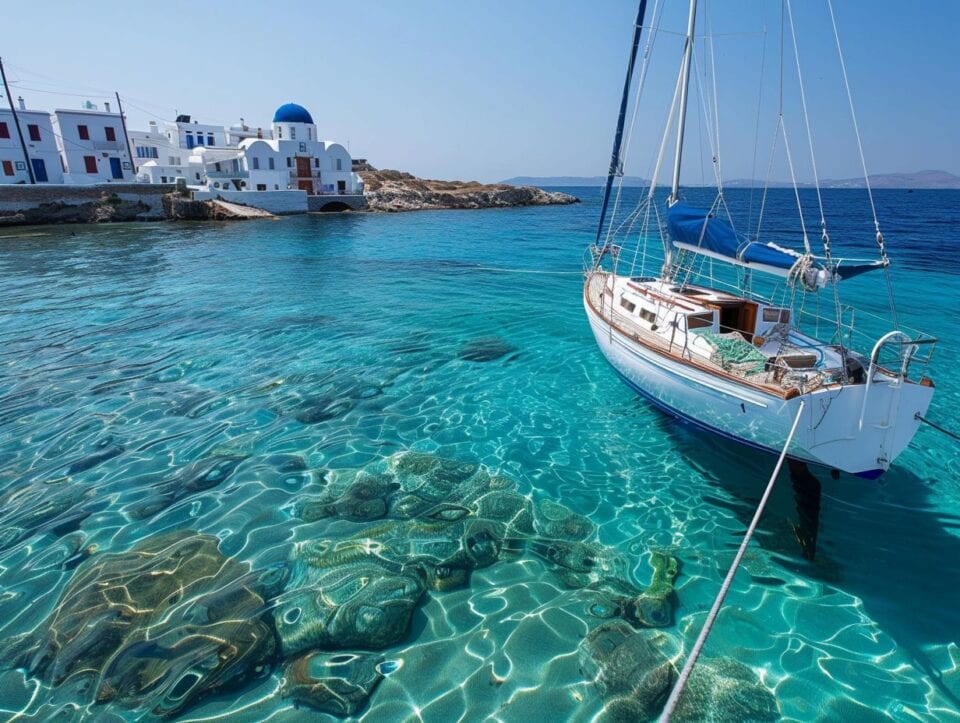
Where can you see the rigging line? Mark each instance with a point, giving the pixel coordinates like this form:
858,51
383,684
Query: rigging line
644,67
816,182
806,119
856,129
766,183
756,130
796,188
716,102
866,176
615,163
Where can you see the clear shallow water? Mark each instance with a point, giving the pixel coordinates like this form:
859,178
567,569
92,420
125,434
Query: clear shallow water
128,353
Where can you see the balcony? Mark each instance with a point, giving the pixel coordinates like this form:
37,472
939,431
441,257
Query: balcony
296,175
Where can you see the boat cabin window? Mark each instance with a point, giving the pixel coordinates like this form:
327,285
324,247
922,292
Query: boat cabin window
647,315
699,321
628,305
776,315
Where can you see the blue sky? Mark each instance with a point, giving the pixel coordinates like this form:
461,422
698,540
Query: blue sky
501,88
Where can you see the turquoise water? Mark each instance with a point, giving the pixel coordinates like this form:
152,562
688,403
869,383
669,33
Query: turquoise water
219,377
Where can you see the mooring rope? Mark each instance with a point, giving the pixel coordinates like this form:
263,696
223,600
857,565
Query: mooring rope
936,426
725,587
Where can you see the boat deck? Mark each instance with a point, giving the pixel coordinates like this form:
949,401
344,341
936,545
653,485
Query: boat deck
780,360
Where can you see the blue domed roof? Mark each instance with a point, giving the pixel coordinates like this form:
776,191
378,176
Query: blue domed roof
292,113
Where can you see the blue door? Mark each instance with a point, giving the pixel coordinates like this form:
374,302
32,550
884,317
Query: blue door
115,170
39,170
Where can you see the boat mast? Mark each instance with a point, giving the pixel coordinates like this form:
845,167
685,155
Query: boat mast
616,164
685,73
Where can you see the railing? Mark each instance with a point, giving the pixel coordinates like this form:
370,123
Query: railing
311,175
228,174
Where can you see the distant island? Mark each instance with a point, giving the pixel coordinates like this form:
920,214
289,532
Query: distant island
918,179
386,190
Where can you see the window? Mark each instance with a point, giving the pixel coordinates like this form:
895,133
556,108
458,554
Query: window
83,132
4,131
293,133
199,139
339,164
647,315
189,139
163,179
628,305
270,163
309,134
197,175
110,133
256,165
217,167
210,139
316,163
173,160
147,152
279,131
7,168
699,321
774,315
303,147
289,162
90,163
261,186
34,131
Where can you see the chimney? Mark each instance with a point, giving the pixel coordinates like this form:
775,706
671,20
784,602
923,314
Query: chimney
23,106
106,107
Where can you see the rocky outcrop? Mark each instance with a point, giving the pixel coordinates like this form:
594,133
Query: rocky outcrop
397,191
105,209
182,208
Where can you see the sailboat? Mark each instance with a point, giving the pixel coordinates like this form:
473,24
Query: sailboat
703,341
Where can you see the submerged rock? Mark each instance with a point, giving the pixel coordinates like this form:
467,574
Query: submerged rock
559,522
159,626
487,348
724,689
321,409
629,668
367,498
195,477
338,684
355,605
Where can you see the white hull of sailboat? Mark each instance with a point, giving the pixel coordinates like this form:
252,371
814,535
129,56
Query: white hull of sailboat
837,429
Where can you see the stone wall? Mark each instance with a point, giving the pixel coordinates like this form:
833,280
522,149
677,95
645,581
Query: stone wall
278,202
22,204
354,202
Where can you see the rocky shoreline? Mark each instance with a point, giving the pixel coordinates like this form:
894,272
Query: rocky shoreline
393,191
386,191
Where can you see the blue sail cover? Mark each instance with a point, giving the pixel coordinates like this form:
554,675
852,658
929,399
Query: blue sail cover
699,231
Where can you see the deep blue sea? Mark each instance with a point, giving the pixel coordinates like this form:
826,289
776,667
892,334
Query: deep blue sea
209,508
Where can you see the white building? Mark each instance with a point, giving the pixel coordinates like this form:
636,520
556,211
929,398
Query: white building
294,158
180,149
42,151
92,145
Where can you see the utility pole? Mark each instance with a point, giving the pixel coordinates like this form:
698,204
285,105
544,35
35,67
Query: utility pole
16,122
123,122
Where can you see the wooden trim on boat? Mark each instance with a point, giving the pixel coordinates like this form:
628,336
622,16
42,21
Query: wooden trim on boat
655,295
782,394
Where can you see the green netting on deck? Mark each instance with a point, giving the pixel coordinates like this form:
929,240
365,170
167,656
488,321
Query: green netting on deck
734,353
